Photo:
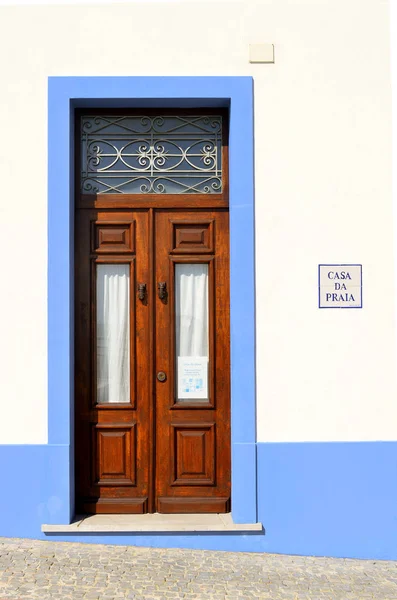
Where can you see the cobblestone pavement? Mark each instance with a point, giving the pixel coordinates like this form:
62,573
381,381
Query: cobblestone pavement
61,570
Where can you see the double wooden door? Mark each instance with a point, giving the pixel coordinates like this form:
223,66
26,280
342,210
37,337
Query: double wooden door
152,410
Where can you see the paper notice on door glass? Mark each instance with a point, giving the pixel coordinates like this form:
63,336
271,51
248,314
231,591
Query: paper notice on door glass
192,377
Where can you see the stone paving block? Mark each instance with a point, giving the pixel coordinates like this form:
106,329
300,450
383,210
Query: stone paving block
61,571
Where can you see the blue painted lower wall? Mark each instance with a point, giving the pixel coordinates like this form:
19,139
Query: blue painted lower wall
329,499
324,499
35,482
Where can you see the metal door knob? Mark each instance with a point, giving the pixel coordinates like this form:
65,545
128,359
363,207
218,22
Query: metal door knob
161,376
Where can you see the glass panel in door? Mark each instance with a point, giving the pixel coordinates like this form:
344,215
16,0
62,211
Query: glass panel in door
113,333
191,330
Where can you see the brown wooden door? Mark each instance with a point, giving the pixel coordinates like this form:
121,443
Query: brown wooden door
112,449
142,442
192,429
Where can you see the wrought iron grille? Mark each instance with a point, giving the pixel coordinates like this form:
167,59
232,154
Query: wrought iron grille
142,154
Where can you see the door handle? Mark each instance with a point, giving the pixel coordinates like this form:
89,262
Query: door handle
162,289
141,291
161,376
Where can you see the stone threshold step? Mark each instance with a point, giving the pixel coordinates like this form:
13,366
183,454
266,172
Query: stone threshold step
152,523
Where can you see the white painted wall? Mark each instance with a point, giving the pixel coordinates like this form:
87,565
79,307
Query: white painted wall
323,192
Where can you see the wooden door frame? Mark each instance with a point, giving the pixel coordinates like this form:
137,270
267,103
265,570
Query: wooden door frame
68,93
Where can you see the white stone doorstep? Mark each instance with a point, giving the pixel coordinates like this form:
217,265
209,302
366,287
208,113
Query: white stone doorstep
152,523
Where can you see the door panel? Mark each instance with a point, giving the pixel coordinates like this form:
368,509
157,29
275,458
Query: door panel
113,463
193,454
193,404
116,451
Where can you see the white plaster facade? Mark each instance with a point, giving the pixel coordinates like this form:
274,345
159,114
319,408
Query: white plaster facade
323,190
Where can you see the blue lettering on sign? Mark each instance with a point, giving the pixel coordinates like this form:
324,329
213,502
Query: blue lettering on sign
346,297
341,275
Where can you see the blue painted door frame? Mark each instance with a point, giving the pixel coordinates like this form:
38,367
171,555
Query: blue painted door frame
64,95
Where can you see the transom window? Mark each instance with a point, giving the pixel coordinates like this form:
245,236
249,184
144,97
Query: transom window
156,154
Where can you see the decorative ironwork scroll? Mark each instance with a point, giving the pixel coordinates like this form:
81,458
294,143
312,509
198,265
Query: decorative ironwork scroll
158,155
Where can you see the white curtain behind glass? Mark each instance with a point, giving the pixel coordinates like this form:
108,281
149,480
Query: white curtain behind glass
191,307
113,333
